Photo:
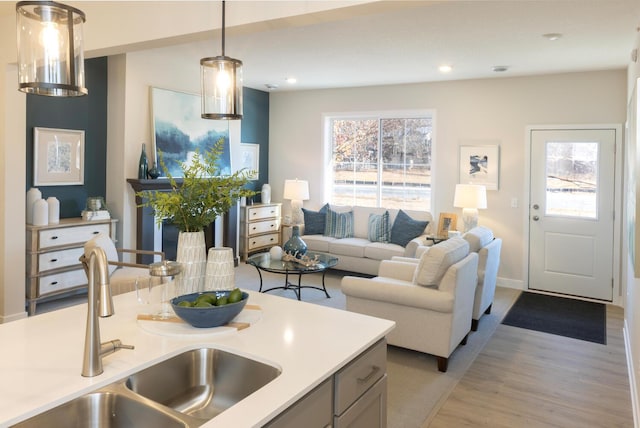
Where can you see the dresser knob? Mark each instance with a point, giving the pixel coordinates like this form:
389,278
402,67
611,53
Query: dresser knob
54,237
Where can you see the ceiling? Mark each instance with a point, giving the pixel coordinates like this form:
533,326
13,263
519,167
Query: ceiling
405,42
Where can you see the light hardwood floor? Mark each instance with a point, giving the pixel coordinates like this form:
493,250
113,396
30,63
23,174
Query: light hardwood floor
524,378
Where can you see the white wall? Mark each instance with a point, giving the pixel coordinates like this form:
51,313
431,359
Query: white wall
466,111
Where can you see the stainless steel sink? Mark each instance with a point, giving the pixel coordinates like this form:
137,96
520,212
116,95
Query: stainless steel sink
202,383
104,409
183,391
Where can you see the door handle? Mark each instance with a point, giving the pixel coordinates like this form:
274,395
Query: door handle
536,218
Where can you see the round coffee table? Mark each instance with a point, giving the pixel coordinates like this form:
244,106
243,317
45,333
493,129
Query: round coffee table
263,262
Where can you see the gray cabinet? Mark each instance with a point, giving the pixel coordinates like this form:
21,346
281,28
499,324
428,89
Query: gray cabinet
354,397
53,252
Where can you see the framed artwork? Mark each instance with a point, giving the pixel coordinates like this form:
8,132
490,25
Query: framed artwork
58,157
480,165
446,222
178,131
250,158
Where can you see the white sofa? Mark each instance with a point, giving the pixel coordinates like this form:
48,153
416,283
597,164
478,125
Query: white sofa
431,301
359,254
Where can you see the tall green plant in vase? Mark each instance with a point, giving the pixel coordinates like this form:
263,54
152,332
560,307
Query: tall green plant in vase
193,203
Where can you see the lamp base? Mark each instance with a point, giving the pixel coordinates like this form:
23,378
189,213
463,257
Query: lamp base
297,216
469,218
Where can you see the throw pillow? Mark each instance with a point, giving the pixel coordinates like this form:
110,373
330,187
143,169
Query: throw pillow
435,262
339,225
405,229
378,227
314,221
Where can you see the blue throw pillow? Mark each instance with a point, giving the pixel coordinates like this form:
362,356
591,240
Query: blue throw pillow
405,229
378,227
314,221
339,225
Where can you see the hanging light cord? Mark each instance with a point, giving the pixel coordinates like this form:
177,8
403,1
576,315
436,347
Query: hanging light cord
223,8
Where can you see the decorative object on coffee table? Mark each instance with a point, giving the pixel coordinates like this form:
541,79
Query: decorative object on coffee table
295,246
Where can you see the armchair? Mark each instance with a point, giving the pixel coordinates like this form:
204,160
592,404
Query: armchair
431,302
122,275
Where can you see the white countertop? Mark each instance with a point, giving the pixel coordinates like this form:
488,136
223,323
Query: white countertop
41,356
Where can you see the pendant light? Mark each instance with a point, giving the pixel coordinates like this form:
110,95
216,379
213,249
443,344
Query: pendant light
50,49
221,78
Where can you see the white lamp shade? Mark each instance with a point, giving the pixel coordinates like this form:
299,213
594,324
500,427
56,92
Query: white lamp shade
470,196
296,190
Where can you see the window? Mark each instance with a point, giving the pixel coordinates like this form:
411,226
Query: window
381,161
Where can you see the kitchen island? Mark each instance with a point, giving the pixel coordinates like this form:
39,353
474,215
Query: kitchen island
41,357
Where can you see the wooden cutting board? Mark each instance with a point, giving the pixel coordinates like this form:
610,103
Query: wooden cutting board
237,325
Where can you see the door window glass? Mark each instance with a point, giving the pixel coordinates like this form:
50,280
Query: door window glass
572,179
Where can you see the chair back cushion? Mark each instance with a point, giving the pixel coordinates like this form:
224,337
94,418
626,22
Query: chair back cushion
103,241
437,259
478,237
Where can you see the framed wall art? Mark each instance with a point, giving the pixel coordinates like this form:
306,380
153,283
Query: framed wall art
250,158
446,222
58,157
480,165
179,130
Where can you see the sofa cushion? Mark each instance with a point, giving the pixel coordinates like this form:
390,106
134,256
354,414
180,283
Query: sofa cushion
353,247
478,237
318,242
405,229
380,251
437,259
378,227
314,221
339,225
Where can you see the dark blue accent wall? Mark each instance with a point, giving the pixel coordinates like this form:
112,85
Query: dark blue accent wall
255,129
88,113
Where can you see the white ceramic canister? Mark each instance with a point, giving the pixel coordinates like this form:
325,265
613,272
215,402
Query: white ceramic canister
265,195
54,209
32,195
40,213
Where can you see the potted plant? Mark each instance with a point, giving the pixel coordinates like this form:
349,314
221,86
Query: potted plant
193,203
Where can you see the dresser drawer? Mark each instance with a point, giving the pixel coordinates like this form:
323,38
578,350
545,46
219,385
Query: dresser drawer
70,235
59,259
61,281
356,378
259,213
263,241
259,227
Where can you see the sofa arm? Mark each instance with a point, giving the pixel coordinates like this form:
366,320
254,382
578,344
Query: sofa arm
405,259
401,293
414,244
397,270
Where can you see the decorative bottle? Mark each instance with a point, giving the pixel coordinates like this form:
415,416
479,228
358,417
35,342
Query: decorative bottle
53,205
265,195
32,195
40,213
143,165
295,245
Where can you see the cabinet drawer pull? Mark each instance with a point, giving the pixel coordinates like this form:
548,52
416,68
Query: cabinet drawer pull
96,232
54,282
367,378
53,260
253,228
54,237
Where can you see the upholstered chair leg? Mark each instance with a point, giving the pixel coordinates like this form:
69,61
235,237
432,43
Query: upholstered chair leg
443,363
474,325
464,340
488,311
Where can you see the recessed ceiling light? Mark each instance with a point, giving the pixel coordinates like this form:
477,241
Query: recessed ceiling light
552,36
272,86
291,80
499,68
445,68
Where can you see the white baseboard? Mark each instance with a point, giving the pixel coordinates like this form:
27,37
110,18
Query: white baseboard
516,284
632,375
14,317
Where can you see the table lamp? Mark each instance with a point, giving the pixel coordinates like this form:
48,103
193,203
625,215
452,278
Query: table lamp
470,197
297,191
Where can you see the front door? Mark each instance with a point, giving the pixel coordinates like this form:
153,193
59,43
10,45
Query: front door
571,211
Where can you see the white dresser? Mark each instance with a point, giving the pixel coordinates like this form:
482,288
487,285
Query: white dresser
259,228
53,252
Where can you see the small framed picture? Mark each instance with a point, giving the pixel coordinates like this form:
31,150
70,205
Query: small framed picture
58,157
446,222
250,158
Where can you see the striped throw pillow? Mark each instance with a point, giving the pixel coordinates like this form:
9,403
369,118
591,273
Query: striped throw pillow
378,227
339,225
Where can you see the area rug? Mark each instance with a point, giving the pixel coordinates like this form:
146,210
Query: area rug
562,316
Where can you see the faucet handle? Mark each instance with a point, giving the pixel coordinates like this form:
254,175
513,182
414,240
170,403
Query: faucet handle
112,346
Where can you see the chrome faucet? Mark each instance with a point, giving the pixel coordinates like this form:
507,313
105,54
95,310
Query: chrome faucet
100,304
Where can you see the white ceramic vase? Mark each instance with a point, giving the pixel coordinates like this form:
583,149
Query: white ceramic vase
220,273
192,255
265,194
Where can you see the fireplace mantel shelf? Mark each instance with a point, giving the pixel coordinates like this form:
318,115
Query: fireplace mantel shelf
148,184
